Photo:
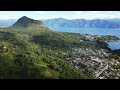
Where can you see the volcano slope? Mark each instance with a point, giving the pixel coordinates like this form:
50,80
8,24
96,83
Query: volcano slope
29,50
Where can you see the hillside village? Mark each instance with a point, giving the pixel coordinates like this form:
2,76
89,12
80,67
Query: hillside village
97,61
37,52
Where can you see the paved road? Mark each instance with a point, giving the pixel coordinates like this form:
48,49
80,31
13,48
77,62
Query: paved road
99,73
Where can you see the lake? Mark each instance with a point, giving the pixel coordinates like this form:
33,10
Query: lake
114,45
94,31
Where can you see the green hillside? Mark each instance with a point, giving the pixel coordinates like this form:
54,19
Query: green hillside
36,53
39,53
25,22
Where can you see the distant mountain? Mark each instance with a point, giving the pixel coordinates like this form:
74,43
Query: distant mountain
81,23
76,23
38,53
114,20
7,23
25,22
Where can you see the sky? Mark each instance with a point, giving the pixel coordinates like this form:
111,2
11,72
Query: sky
60,14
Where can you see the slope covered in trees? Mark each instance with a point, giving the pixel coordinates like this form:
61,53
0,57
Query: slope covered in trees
36,53
31,52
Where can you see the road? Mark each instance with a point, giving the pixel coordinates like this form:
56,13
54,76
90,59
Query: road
99,73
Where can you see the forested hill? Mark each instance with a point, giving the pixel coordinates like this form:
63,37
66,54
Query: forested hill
25,22
29,50
81,23
37,53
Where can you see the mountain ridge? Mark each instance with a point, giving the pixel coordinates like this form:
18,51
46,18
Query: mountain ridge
81,23
36,53
74,23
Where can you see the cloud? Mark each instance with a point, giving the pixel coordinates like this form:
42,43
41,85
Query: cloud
60,14
96,14
39,12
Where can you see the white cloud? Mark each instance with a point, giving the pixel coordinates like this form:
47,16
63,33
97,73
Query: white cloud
60,14
39,12
95,14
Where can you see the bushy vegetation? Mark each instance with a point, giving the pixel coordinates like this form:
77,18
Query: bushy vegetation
37,54
29,50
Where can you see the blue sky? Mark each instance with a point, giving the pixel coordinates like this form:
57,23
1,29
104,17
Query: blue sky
60,14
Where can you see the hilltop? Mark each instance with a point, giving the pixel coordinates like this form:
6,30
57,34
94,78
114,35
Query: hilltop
25,22
33,52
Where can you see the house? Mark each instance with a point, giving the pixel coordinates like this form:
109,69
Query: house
3,48
100,77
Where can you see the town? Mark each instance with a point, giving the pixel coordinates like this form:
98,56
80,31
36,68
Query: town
97,62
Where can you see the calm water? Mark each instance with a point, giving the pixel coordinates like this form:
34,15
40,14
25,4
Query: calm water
94,31
114,45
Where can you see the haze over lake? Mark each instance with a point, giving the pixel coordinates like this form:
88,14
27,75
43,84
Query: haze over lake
92,31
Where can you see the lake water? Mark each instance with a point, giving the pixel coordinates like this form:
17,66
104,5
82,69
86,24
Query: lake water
94,31
114,45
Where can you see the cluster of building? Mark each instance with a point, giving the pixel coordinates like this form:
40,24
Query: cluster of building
3,48
95,61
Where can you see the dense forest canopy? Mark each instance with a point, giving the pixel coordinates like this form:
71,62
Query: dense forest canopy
39,53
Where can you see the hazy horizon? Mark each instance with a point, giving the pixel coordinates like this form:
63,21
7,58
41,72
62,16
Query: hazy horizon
38,15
